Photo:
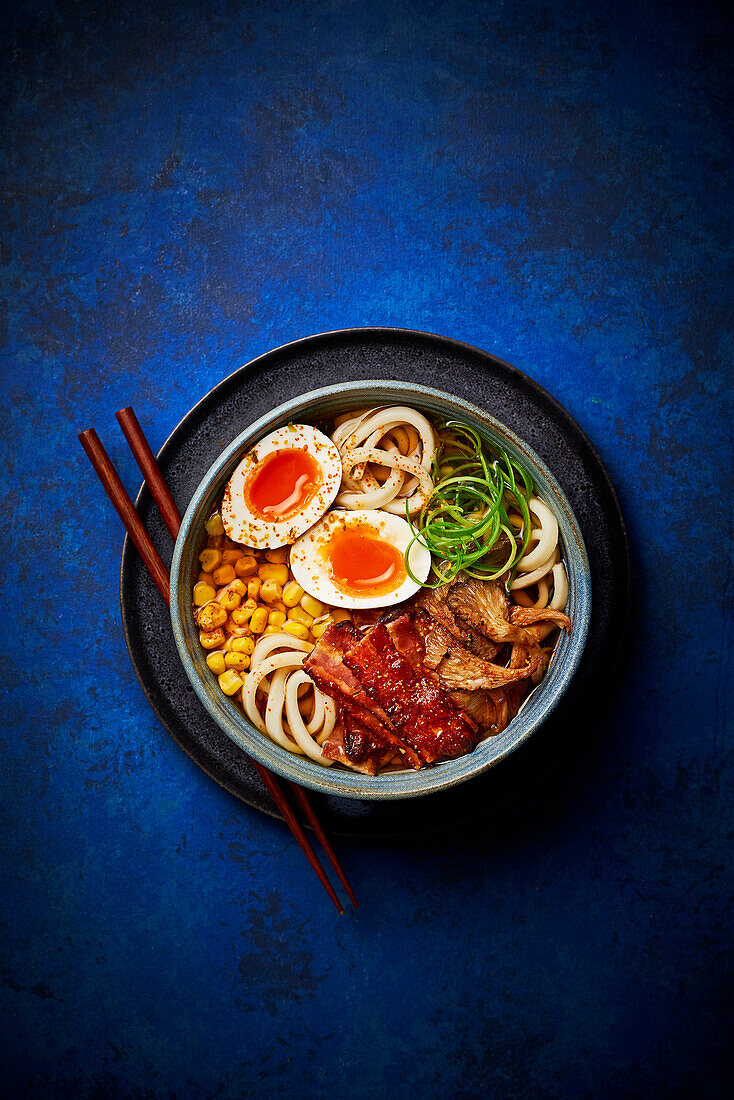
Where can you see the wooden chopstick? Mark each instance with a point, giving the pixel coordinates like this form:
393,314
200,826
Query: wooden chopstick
149,468
124,506
318,828
125,509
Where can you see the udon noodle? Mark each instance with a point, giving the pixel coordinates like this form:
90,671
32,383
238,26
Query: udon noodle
276,692
396,439
541,565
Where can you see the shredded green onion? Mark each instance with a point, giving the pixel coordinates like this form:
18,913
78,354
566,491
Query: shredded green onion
465,522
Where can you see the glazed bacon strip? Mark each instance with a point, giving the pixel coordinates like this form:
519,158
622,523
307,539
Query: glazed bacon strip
325,665
357,747
389,702
426,719
358,711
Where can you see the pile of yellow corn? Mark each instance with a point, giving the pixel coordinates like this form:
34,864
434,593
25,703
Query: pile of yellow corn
241,594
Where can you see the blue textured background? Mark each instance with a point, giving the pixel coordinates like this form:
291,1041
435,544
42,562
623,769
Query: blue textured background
188,185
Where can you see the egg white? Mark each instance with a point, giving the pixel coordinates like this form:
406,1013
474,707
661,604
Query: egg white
310,565
244,526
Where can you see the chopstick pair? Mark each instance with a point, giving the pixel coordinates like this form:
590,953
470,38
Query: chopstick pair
134,526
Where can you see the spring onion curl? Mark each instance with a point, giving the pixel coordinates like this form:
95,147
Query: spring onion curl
466,522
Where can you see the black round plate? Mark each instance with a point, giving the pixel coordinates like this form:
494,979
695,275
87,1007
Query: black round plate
354,354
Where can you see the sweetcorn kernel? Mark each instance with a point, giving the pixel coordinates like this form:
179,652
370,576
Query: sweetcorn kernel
272,630
203,593
230,682
229,599
223,575
214,525
210,559
270,572
300,616
239,587
242,615
215,542
278,557
270,590
277,618
320,628
296,630
253,587
312,606
341,615
211,616
259,620
240,645
292,594
229,557
206,578
211,639
234,631
216,662
237,660
245,565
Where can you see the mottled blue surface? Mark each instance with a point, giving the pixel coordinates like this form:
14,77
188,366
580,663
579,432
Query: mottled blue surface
188,185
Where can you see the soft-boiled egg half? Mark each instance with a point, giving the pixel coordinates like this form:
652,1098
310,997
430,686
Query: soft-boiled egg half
357,559
281,487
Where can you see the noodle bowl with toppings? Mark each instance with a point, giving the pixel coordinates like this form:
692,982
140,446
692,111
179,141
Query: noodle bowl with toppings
390,603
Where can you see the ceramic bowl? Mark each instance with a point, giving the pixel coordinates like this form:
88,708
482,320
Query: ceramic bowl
321,406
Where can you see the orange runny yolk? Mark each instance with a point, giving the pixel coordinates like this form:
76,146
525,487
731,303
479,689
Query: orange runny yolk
363,564
284,483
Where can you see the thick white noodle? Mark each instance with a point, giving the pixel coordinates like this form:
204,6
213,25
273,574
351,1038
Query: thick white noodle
546,535
381,498
319,712
274,708
391,417
299,730
524,599
524,580
560,588
272,673
268,643
397,477
249,692
401,437
374,432
344,433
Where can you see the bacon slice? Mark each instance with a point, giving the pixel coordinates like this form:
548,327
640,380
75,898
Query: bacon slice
326,666
406,640
426,719
357,747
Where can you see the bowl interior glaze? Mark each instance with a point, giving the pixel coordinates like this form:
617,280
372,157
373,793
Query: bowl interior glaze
319,407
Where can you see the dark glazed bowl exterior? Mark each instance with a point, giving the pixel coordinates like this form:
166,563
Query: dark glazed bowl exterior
318,407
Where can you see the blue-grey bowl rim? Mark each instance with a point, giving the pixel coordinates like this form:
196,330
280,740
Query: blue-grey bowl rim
402,784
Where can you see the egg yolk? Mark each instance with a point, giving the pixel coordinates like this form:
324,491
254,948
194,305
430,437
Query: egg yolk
282,484
363,564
